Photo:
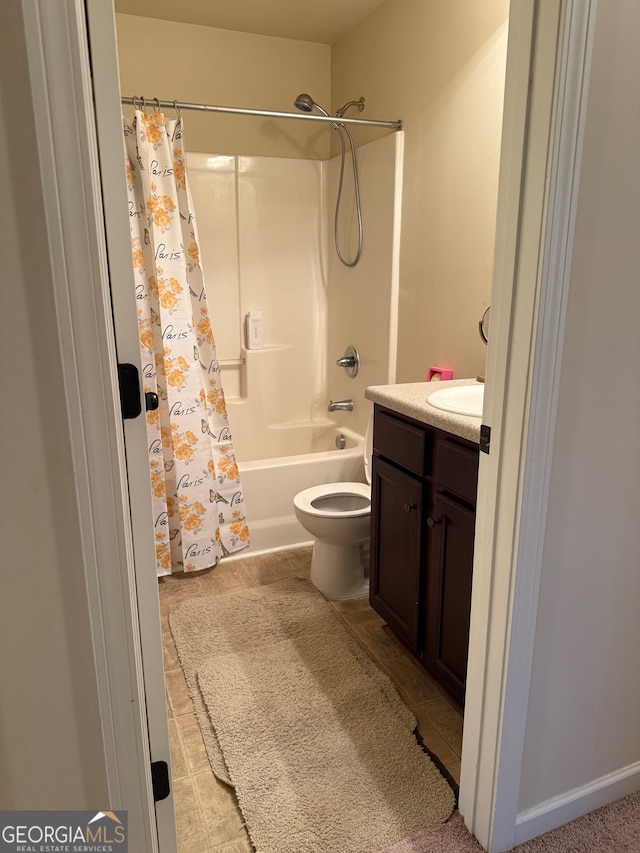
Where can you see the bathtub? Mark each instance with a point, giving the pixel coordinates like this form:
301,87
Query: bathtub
269,485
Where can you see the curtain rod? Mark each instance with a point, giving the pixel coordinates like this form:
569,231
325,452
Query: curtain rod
207,108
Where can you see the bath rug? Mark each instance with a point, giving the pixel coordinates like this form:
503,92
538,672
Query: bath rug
196,641
312,735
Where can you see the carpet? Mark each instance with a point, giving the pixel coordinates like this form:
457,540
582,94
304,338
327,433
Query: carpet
311,734
614,828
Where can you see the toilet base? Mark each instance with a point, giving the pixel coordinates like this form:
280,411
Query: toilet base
337,570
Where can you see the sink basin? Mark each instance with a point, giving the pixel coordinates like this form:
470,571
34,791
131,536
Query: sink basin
459,400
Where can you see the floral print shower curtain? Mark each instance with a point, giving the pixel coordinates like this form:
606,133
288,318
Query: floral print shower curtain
198,506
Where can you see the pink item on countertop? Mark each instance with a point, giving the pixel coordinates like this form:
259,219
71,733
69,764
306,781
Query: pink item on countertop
439,374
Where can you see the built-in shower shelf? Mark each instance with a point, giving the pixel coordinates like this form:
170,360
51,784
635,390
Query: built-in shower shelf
268,348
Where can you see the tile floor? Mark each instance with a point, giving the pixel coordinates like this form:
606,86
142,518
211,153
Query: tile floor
207,814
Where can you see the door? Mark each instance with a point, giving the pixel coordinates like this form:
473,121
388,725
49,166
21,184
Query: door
113,508
448,593
108,119
396,548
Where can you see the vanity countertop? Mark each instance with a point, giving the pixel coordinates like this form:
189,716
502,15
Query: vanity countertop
411,399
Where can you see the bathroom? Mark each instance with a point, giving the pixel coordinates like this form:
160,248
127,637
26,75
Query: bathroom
440,70
446,83
563,737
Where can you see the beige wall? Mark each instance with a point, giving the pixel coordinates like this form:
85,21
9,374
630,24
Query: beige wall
584,706
361,299
204,65
440,67
51,753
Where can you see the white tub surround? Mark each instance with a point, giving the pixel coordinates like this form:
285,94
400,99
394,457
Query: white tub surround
266,232
411,399
362,302
270,485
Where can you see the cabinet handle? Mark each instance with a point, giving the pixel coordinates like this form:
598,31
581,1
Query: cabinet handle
431,522
408,507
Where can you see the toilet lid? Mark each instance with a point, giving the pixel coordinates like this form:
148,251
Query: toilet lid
368,450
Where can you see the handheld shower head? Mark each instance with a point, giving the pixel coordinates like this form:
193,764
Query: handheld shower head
306,104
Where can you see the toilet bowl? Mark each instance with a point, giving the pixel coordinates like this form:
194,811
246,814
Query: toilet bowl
338,516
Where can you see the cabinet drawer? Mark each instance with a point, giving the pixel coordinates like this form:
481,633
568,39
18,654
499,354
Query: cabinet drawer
405,444
457,469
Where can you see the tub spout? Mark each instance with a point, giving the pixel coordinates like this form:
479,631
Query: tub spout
341,406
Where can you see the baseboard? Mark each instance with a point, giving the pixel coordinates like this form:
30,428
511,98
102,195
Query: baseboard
559,810
262,549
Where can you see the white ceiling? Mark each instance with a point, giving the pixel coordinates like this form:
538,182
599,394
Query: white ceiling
323,21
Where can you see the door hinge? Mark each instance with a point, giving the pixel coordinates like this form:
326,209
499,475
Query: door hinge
485,438
129,382
160,780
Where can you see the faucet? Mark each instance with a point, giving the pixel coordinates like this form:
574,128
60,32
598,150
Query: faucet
340,406
350,361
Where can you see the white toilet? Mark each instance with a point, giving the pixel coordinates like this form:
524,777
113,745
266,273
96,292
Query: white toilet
338,515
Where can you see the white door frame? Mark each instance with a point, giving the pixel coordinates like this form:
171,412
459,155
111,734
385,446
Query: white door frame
545,104
534,233
121,593
119,289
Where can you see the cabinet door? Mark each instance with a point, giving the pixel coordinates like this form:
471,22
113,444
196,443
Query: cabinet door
396,537
448,593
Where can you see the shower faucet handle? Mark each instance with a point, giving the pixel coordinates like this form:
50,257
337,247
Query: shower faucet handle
350,361
346,361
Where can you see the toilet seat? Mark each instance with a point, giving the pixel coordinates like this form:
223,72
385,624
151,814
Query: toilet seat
310,500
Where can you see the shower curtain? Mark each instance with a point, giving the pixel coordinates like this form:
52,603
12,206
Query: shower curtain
198,506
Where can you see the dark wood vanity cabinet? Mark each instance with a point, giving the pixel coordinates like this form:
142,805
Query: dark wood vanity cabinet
396,549
423,498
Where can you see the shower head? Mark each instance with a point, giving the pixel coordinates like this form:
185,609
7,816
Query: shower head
306,104
359,104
